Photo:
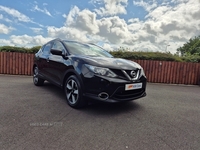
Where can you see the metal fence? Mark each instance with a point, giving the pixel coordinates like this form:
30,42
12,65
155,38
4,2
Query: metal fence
171,72
16,63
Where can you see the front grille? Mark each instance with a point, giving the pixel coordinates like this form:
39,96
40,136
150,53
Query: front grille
126,74
129,74
119,73
120,94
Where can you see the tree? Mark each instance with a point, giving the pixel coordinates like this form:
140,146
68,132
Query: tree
34,49
192,47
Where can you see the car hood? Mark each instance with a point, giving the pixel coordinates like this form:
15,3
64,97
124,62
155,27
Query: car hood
113,63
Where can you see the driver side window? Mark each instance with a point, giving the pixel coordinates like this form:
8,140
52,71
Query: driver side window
58,46
46,49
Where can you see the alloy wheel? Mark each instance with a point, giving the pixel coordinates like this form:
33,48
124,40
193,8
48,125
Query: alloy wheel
72,91
35,75
36,79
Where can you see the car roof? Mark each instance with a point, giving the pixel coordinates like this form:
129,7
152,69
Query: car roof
62,40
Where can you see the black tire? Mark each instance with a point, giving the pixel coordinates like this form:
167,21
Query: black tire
36,80
73,92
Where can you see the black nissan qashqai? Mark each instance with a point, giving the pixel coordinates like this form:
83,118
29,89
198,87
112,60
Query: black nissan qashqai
86,71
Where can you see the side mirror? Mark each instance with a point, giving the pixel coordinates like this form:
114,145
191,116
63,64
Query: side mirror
57,52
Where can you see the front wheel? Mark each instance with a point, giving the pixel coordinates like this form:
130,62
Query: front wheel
36,80
73,92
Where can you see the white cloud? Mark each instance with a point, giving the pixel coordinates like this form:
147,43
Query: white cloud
71,16
167,24
5,42
44,10
179,1
5,29
28,41
86,21
158,12
69,33
182,19
164,24
15,13
95,2
108,47
134,25
4,19
45,4
83,20
148,6
112,7
37,30
114,29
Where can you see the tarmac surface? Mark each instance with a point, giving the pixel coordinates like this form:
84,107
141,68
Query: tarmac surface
37,118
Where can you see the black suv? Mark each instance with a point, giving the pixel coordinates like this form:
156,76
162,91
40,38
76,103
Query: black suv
86,71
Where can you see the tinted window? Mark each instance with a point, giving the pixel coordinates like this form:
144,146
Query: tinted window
58,46
46,49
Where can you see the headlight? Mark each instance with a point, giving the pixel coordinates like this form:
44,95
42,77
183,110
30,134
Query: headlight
101,71
142,72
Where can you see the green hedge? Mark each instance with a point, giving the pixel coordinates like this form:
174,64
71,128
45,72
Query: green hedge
191,58
19,49
119,54
154,56
146,56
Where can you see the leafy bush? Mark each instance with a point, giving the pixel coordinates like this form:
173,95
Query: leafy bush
34,49
191,58
146,55
19,49
192,47
12,49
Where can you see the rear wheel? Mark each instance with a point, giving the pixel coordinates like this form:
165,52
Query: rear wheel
73,92
36,80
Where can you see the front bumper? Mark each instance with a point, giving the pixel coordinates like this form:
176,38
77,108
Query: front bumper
114,87
112,100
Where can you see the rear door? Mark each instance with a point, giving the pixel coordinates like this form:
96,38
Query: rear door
43,60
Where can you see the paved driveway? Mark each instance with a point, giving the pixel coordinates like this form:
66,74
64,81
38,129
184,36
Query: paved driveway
36,118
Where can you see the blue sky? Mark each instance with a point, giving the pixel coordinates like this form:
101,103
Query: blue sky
140,25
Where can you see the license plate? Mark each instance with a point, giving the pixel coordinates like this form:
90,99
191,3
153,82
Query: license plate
133,86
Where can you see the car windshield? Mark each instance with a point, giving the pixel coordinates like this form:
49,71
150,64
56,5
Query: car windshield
76,48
